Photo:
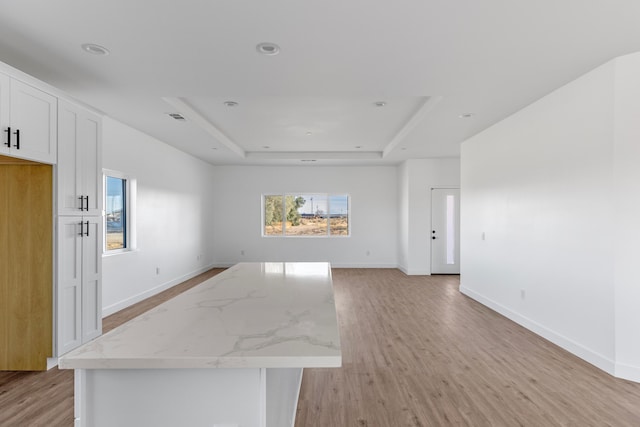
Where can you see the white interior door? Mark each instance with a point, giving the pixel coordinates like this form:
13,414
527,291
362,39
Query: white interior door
445,231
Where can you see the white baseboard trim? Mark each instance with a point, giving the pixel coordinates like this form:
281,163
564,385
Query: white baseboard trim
628,372
595,358
52,362
333,265
410,272
113,308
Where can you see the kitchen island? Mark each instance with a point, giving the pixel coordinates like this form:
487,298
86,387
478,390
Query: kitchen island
228,352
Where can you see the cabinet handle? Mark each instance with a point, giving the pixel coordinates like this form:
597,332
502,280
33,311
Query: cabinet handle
87,229
81,228
81,203
87,209
8,131
17,134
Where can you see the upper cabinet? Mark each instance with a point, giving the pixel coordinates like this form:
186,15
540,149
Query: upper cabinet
28,119
79,161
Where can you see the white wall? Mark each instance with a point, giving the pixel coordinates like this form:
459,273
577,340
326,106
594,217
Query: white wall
174,217
237,227
561,234
627,216
415,180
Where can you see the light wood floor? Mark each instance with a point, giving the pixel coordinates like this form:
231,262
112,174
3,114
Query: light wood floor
416,352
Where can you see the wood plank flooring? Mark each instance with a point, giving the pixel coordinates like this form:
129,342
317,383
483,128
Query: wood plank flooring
416,352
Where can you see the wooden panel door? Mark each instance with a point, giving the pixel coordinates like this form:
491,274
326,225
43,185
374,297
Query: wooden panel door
26,240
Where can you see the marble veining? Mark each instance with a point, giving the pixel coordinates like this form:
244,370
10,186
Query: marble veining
253,315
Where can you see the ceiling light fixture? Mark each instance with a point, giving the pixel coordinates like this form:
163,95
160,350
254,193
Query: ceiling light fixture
268,48
380,103
230,104
266,147
358,146
95,49
466,115
308,133
177,116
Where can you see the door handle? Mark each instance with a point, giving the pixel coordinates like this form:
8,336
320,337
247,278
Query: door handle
8,131
17,134
433,237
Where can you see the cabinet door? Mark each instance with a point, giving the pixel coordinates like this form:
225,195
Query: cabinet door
69,288
4,112
34,114
90,149
79,161
69,181
25,266
92,278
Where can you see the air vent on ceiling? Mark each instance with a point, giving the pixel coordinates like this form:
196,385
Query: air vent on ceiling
177,116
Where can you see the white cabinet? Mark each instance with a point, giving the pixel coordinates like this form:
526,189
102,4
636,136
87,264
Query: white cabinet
79,291
79,161
80,227
28,118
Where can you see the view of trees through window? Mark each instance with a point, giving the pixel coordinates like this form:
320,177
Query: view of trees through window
306,215
115,213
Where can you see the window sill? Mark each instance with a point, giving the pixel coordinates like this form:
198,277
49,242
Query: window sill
116,252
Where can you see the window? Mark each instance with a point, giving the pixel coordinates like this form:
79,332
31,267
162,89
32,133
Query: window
305,215
118,189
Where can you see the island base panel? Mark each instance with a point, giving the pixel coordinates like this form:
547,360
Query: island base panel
255,397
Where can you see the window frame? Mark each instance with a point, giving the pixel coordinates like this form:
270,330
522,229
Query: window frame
129,205
283,233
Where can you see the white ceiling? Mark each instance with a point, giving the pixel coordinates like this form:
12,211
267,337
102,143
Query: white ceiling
430,61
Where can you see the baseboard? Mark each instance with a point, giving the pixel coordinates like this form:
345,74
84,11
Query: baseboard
627,372
333,265
595,358
52,362
410,272
113,308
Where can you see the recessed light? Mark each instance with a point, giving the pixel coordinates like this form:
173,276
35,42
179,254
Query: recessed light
268,48
177,116
358,146
266,146
379,103
403,148
308,160
466,115
95,49
230,103
214,148
309,134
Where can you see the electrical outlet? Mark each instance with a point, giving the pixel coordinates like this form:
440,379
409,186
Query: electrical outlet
484,236
242,252
523,294
368,253
157,270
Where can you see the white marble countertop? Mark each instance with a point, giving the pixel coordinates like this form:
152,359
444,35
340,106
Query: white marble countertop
253,315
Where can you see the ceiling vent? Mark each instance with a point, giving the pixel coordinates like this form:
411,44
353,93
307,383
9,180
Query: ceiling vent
177,116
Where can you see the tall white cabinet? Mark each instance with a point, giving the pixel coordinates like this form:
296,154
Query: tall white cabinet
79,227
